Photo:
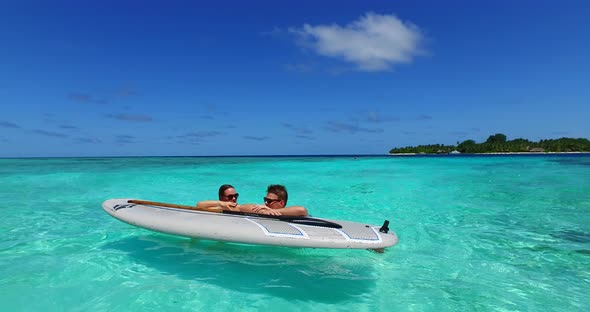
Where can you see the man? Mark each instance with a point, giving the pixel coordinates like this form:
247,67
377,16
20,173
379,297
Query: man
275,202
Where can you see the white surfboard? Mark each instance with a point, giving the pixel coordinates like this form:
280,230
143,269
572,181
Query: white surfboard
250,228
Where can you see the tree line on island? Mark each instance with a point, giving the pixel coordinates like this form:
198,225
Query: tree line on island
497,143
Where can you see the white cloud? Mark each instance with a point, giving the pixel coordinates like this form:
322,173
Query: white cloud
374,42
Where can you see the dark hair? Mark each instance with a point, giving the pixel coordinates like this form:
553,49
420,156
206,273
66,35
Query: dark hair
223,188
278,190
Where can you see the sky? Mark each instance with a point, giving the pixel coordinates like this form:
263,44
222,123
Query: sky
190,78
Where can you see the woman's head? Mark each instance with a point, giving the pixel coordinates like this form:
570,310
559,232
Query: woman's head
228,193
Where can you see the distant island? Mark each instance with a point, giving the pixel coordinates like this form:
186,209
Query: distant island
497,143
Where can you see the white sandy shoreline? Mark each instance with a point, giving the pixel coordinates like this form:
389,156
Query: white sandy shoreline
494,153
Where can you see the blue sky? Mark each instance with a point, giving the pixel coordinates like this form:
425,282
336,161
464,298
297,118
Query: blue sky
138,78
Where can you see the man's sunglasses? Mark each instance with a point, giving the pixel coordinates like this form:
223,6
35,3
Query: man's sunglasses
270,200
232,196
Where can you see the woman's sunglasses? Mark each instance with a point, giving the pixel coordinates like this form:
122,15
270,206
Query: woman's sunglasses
270,200
232,196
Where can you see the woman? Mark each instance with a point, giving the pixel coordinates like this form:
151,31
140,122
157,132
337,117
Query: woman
228,199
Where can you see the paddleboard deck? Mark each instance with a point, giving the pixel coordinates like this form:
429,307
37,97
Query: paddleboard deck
250,228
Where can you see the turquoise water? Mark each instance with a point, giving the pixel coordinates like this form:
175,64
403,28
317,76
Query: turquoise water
502,233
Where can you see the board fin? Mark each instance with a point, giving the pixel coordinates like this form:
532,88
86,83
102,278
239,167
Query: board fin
385,227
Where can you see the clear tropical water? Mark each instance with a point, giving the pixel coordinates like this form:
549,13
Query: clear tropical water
502,233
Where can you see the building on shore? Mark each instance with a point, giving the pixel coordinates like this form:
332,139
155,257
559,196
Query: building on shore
537,150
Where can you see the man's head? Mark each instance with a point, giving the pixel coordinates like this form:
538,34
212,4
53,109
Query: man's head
228,193
276,196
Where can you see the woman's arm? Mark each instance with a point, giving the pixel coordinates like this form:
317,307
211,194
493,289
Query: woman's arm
218,203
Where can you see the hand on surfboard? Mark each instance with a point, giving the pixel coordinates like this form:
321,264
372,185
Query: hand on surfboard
231,206
265,210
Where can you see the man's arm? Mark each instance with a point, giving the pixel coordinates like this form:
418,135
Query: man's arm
261,209
287,211
293,211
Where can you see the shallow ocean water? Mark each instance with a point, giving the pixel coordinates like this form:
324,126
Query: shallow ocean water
495,233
